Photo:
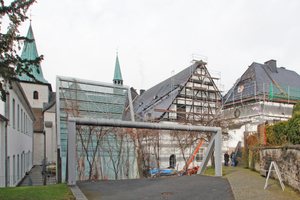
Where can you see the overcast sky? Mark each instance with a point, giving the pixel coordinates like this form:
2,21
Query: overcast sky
155,37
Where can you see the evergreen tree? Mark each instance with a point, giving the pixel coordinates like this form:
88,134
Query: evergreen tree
11,64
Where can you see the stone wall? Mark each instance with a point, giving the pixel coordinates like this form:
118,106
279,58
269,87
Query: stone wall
286,157
254,159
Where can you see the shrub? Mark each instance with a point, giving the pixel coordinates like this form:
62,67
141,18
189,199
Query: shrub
283,133
296,108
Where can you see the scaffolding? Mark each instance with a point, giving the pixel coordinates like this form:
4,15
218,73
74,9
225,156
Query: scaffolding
198,99
270,92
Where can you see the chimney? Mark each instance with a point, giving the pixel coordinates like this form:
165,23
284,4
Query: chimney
271,64
142,91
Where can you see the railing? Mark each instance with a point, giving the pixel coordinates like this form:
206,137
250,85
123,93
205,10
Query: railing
239,144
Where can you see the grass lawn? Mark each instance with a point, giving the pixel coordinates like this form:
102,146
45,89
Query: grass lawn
211,172
58,191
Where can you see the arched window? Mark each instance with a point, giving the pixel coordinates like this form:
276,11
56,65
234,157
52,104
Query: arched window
172,161
35,95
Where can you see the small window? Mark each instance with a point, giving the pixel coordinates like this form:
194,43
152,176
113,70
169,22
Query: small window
35,95
18,169
199,156
24,121
21,120
14,169
14,113
18,117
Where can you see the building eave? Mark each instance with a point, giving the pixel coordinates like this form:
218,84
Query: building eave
21,94
2,118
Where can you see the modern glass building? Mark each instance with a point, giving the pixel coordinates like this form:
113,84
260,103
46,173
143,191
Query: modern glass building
102,152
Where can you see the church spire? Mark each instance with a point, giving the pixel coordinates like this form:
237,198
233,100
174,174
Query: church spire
29,52
117,75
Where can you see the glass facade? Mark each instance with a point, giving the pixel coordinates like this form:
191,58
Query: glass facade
98,148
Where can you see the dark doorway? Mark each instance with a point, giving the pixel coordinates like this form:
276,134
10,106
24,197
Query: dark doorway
172,161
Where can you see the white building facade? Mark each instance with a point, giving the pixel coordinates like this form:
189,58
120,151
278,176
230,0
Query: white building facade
188,97
264,94
16,137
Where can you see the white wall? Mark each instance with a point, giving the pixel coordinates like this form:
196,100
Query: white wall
19,140
252,115
49,115
51,149
38,148
2,106
43,91
2,152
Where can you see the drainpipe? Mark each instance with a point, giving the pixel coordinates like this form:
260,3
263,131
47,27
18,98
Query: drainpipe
5,139
44,165
5,154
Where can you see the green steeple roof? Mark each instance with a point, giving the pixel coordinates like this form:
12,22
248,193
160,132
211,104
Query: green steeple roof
117,76
29,52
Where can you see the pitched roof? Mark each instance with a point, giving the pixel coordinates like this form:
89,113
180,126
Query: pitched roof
162,94
52,101
29,52
264,79
117,74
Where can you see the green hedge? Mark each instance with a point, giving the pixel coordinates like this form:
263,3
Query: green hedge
288,132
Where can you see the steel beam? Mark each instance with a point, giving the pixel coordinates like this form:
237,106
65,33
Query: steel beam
145,125
71,153
216,139
215,143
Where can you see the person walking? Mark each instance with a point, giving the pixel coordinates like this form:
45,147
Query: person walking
226,158
232,156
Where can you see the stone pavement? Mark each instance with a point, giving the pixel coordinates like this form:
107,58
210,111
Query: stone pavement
247,184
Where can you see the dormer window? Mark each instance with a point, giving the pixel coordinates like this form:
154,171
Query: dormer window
35,95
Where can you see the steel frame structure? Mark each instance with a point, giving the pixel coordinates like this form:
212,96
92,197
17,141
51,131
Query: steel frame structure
215,141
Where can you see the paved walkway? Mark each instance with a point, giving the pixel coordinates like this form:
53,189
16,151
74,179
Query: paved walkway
244,184
247,184
183,187
240,183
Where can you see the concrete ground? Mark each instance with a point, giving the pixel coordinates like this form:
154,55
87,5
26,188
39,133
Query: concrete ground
185,187
240,183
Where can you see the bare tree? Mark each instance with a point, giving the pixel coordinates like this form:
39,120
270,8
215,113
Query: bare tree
115,142
185,142
90,138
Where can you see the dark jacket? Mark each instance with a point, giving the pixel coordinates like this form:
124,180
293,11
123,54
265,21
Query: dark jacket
226,156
